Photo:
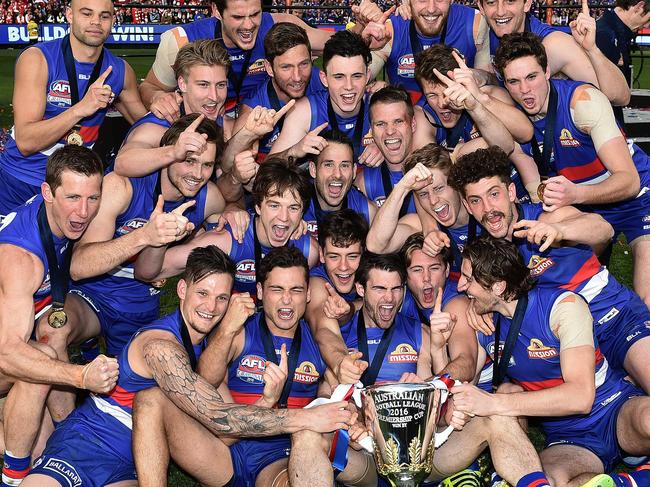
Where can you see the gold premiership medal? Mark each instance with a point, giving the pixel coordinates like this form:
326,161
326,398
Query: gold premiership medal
540,191
74,138
159,284
57,318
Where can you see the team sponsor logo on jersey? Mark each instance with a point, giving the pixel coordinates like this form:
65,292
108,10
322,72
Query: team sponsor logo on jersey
610,314
403,353
306,373
538,265
257,67
537,349
633,336
58,93
647,323
130,225
245,270
251,369
5,220
367,139
567,140
64,469
406,66
646,219
474,133
610,398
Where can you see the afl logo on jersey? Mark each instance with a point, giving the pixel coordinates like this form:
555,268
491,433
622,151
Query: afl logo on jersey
403,353
406,66
246,270
537,349
312,228
306,373
539,265
58,94
130,225
251,369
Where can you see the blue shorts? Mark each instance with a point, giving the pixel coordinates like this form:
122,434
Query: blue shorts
631,217
628,326
597,432
117,326
250,457
75,457
14,192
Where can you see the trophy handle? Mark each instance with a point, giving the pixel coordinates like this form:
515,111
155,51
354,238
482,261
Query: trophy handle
443,436
444,384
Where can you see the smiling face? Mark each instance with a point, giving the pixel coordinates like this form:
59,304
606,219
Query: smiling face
333,174
425,275
279,216
505,16
285,295
434,94
440,200
190,175
90,21
345,79
485,301
74,203
491,202
392,130
205,90
430,16
340,264
241,23
204,303
291,72
528,84
382,297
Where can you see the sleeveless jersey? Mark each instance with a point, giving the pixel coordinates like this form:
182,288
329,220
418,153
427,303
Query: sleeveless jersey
261,98
318,103
118,288
532,24
460,236
401,62
20,228
574,269
403,349
466,129
319,271
411,308
535,362
31,169
374,185
245,374
210,28
109,416
243,255
354,200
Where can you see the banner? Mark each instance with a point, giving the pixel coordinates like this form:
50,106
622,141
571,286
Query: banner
124,34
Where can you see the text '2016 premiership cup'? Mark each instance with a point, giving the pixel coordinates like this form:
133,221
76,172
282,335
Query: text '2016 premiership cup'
401,418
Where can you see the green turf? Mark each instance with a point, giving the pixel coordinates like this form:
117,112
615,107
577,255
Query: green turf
140,60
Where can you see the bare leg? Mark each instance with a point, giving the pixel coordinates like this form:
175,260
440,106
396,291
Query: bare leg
570,465
274,475
641,256
512,453
637,363
308,462
150,450
633,426
38,480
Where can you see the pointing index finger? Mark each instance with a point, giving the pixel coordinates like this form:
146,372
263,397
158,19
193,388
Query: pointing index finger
459,59
103,76
319,129
437,307
280,113
445,79
181,209
193,126
585,7
384,17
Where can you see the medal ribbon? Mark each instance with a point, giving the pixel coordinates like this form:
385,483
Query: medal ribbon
455,250
275,103
501,363
59,276
319,213
340,441
187,341
543,160
271,355
416,44
370,375
358,124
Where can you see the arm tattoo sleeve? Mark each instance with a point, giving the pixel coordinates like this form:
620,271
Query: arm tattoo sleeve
171,369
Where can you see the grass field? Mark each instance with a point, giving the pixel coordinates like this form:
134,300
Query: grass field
140,60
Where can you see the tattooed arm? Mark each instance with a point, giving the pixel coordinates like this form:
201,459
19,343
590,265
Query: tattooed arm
170,367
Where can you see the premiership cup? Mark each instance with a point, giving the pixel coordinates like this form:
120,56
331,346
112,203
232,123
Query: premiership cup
402,418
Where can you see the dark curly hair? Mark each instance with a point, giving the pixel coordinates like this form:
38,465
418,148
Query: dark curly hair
477,165
438,56
344,228
497,259
283,257
384,262
347,44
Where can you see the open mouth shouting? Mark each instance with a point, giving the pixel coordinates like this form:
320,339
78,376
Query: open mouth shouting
285,314
193,184
529,103
210,109
348,101
428,296
246,36
345,280
442,212
386,311
335,189
494,222
280,232
393,144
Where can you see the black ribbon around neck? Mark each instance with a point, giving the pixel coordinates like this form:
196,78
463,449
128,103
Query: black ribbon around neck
269,351
358,125
59,276
455,134
416,44
370,375
319,213
257,247
543,159
388,189
235,79
187,341
71,70
275,103
501,362
455,250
